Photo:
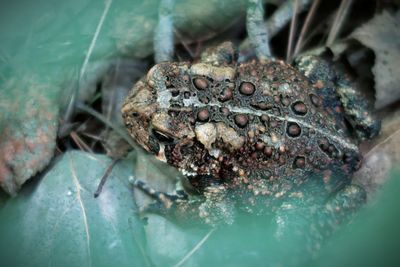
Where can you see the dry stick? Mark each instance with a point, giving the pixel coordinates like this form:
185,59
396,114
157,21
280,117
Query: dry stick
80,143
104,178
92,136
164,32
184,44
279,19
310,15
292,30
339,19
258,33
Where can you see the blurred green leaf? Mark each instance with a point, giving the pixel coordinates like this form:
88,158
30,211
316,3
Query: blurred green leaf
373,239
56,221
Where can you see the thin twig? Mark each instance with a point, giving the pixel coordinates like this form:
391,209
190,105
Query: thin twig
283,15
317,29
279,19
92,136
184,44
305,27
95,36
113,94
104,178
187,256
293,26
108,123
80,143
338,22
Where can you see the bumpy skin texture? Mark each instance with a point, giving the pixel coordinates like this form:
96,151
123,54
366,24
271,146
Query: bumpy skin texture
250,133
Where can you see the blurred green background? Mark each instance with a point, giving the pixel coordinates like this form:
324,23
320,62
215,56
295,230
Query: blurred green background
50,48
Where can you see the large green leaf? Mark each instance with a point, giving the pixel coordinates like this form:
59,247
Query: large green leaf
373,239
56,221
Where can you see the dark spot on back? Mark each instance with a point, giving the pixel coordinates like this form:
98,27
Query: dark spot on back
200,83
299,162
241,120
293,129
203,115
247,88
226,94
299,108
315,100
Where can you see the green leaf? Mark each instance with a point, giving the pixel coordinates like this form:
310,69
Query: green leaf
373,239
56,221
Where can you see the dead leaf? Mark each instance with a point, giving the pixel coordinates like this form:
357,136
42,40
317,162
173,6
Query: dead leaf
382,35
62,224
27,132
381,155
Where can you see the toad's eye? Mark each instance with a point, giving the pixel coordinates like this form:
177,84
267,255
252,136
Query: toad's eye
162,137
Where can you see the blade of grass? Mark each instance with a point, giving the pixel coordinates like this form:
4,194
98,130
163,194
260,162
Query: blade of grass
195,248
80,143
293,26
310,15
338,22
71,104
108,123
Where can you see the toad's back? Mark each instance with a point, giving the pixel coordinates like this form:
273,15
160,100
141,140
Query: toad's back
252,122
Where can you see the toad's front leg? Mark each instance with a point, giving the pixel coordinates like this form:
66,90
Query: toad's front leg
213,207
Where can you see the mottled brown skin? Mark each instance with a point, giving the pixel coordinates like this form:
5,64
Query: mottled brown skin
257,130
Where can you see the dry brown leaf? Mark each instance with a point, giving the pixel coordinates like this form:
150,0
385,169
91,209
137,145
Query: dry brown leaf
28,127
381,155
382,35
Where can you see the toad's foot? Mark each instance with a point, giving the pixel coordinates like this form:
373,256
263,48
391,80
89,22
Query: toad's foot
213,208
